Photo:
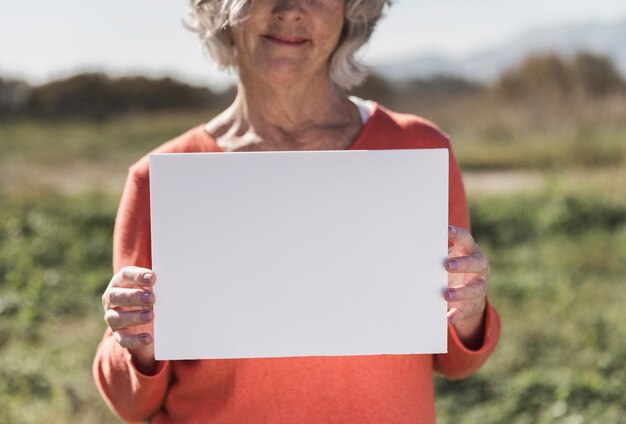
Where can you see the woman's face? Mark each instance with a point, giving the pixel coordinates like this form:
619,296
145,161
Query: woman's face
286,40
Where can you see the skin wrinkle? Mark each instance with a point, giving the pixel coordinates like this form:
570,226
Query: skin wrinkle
284,91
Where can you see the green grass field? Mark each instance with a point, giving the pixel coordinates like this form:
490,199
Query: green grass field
558,254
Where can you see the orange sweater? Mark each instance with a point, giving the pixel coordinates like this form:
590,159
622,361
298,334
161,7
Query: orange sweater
352,389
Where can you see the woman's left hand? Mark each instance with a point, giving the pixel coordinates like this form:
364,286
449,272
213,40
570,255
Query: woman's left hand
468,272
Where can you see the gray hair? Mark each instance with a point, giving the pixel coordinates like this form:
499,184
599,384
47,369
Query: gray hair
212,19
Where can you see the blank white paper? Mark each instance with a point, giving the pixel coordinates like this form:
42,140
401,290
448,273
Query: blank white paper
276,254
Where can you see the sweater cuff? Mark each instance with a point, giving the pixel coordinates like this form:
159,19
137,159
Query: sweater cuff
162,369
491,332
129,393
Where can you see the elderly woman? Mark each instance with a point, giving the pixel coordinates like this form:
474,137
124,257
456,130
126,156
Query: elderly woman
292,57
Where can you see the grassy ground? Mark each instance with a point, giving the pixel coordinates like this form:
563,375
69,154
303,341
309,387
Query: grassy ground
557,259
54,264
555,231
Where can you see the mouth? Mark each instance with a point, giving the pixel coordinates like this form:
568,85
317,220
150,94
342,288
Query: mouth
286,40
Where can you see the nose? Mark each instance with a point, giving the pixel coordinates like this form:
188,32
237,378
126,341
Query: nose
288,11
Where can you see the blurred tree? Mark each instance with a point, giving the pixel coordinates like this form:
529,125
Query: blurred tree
419,92
98,96
543,76
377,88
13,95
546,82
595,75
83,95
140,93
441,87
551,78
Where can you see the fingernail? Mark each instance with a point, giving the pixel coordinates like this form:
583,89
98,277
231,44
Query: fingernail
145,339
453,319
145,315
453,264
147,277
146,297
452,229
452,294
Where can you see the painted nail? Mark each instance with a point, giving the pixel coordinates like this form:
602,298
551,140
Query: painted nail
146,297
147,277
452,230
452,294
145,315
145,339
453,264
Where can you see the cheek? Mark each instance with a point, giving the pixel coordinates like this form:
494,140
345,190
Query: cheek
243,40
333,35
329,30
334,26
330,14
335,13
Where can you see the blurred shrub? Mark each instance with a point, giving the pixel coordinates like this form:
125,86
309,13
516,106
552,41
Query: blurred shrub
97,96
538,75
376,87
541,79
441,88
55,257
19,383
13,96
594,75
422,93
502,223
550,77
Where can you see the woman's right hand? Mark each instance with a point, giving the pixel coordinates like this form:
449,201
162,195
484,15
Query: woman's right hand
128,302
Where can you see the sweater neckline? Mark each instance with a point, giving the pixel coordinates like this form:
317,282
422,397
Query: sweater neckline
357,144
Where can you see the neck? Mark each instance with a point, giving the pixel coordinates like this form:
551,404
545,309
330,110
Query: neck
308,115
267,108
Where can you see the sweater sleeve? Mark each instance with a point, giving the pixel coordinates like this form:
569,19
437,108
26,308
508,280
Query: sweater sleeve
132,395
460,361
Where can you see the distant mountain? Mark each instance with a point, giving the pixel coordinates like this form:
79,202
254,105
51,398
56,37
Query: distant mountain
604,39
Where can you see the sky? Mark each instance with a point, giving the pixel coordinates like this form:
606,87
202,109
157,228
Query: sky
42,39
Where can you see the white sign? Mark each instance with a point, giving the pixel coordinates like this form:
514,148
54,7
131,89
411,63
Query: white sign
274,254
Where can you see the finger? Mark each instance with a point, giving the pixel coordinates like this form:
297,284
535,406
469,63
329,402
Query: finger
117,319
132,276
462,239
476,263
116,297
132,341
463,310
475,289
